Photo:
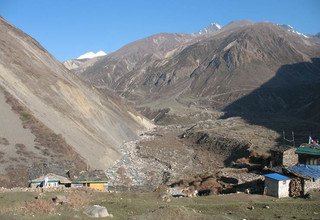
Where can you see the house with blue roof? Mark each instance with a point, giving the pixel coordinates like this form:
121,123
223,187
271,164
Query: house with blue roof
277,185
307,175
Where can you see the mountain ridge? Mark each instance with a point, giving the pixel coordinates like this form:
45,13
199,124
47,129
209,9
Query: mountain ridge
235,49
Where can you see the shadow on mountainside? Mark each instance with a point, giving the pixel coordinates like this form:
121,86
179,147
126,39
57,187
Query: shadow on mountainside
290,101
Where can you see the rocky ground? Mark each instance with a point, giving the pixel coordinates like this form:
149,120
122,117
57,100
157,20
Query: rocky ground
170,153
159,158
191,142
134,171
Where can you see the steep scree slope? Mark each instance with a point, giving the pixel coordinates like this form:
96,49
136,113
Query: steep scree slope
93,125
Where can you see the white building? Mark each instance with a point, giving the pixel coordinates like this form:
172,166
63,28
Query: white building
49,181
277,185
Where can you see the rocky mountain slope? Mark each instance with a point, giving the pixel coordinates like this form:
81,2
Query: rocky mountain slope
142,52
211,70
83,61
79,64
238,88
228,94
49,116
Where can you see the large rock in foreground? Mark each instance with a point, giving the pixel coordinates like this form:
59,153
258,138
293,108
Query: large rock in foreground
97,211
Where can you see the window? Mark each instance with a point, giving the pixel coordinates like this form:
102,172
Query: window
284,182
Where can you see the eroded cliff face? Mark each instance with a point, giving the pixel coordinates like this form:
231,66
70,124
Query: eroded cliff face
93,126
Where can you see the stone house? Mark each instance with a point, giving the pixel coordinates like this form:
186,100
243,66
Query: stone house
307,175
277,185
283,155
309,154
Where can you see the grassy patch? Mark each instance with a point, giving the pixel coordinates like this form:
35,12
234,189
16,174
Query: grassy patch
24,115
23,205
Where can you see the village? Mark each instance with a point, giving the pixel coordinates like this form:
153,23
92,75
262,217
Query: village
292,172
260,192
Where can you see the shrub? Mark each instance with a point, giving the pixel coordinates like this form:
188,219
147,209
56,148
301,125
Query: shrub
25,115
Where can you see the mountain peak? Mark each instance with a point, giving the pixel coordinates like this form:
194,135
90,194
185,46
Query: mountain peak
212,27
91,55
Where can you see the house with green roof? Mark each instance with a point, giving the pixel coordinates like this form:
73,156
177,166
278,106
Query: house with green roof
50,180
309,154
94,179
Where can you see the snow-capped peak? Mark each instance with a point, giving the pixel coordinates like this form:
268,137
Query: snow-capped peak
213,27
91,55
291,29
217,25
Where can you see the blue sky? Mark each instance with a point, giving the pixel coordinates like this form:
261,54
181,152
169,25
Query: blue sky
69,28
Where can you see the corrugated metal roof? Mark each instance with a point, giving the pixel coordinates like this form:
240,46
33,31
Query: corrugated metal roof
52,178
276,176
40,181
90,181
312,171
308,150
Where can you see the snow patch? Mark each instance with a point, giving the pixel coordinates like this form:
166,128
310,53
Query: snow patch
212,27
91,55
291,29
217,25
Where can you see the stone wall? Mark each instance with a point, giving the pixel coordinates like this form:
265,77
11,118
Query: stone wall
286,158
311,185
290,158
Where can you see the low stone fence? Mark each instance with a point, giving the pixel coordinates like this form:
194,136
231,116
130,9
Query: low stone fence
51,189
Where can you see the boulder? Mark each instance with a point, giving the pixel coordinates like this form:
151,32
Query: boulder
97,211
177,191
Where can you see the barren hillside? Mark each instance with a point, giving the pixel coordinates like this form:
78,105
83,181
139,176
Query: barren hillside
93,126
216,69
